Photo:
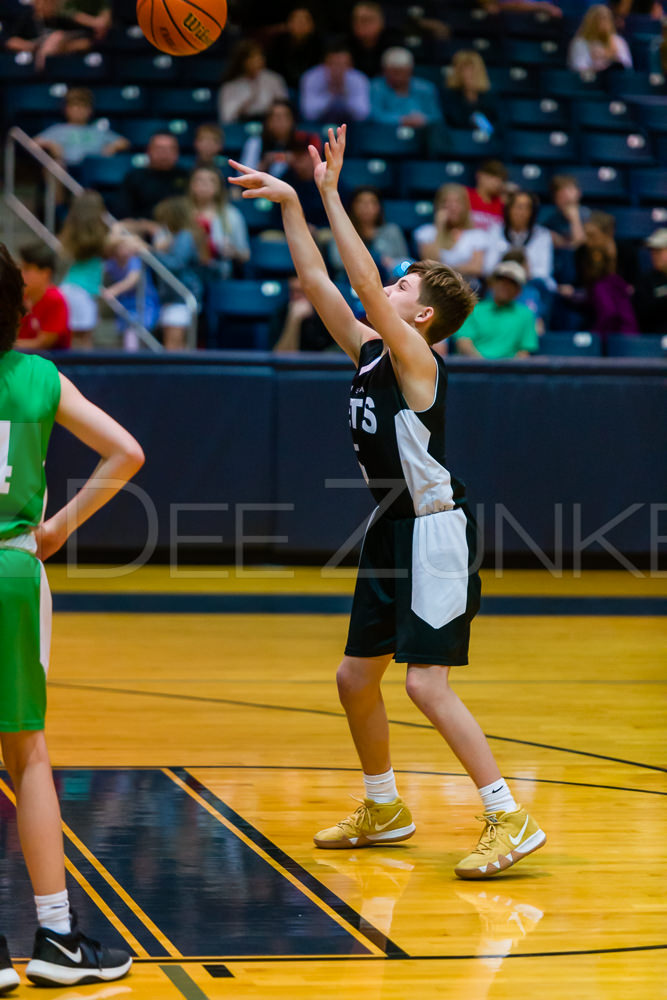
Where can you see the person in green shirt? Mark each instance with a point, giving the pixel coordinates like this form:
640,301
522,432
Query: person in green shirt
34,396
500,327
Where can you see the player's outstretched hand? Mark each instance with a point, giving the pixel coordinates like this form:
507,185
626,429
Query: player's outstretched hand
257,184
327,171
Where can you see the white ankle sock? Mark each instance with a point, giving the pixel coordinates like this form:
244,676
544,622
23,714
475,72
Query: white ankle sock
53,912
381,787
497,797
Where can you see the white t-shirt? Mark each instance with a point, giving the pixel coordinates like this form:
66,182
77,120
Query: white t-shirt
583,56
539,251
468,243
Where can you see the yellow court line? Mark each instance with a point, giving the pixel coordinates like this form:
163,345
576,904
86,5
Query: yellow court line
341,921
93,893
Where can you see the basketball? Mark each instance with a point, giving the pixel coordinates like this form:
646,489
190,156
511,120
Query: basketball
180,27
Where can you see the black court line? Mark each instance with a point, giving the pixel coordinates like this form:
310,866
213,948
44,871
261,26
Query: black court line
340,604
340,715
380,940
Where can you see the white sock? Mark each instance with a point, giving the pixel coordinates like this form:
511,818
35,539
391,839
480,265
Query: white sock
381,787
53,912
497,797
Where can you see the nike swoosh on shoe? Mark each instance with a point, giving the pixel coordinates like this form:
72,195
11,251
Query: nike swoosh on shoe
383,826
517,840
74,956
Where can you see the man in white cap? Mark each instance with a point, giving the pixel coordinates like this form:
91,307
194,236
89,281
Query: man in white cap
500,327
398,97
651,290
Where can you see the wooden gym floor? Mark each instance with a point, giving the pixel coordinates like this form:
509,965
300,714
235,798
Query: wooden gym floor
196,754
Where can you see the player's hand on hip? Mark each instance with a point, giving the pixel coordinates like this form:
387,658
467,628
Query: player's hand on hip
50,536
326,172
257,184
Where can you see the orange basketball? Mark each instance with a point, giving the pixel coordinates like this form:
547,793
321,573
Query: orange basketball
181,27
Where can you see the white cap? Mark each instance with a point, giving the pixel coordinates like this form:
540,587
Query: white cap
398,57
512,270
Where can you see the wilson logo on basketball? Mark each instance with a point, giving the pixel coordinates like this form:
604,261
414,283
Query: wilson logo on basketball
194,25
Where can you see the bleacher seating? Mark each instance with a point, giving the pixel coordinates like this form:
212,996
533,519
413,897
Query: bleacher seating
571,345
648,346
239,312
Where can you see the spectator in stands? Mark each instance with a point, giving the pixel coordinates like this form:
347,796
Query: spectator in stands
45,325
249,88
647,8
487,204
566,222
651,289
209,142
296,48
399,98
334,91
144,187
500,327
94,16
596,46
274,149
522,6
468,102
370,37
520,230
123,272
180,244
301,329
225,227
77,137
385,240
604,269
44,30
452,237
83,237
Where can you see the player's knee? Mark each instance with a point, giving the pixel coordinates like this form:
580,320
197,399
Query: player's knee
22,750
421,683
415,685
353,683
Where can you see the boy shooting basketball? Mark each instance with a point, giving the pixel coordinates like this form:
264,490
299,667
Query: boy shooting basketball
32,395
416,593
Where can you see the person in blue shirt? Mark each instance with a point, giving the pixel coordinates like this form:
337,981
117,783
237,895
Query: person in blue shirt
398,97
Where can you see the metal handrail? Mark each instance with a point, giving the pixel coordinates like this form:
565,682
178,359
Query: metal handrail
46,232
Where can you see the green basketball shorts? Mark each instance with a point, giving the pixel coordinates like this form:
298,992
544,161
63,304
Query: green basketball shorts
25,639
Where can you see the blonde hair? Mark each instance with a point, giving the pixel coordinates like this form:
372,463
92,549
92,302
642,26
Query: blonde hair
445,240
588,29
468,57
176,214
84,232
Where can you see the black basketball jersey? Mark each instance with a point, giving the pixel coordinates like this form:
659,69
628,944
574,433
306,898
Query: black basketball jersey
401,452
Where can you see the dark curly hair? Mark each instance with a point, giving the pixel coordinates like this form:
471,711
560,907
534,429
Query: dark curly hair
11,299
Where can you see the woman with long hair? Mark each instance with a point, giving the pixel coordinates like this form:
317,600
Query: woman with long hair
83,237
467,100
597,46
385,240
452,237
249,88
181,246
274,149
224,226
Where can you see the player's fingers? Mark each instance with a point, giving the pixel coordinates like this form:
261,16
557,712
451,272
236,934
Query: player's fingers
314,155
327,153
241,167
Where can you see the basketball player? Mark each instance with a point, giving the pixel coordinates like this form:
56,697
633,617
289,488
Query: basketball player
416,593
32,395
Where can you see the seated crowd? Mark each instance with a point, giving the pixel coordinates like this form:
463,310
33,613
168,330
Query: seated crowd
535,267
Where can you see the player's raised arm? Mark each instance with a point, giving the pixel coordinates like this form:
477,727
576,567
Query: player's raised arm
409,349
120,458
332,308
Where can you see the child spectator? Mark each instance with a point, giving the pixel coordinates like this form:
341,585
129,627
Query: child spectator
225,227
468,102
249,88
487,206
500,327
83,237
452,237
334,90
651,290
274,149
209,142
44,30
180,244
45,325
566,222
123,271
399,98
77,137
596,46
296,48
385,240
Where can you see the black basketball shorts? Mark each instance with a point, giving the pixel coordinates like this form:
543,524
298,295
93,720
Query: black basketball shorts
417,589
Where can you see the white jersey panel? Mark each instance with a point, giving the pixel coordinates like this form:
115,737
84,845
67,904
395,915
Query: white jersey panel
440,567
429,483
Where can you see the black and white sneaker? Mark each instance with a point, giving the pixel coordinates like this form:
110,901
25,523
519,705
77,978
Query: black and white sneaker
9,977
74,959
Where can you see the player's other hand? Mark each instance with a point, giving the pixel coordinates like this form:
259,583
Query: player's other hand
257,184
326,172
50,536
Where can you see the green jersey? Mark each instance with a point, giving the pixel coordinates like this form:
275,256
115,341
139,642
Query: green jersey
29,398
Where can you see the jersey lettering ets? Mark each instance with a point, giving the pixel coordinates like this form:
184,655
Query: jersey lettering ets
401,452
